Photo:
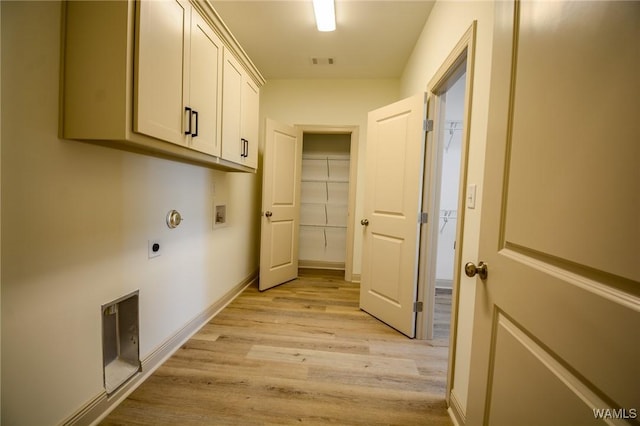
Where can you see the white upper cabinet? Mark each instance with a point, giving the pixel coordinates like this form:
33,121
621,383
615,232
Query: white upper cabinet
205,82
162,69
156,83
241,98
232,147
249,121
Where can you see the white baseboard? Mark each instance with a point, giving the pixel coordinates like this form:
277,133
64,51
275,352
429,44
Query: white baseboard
101,405
453,418
355,278
455,410
320,264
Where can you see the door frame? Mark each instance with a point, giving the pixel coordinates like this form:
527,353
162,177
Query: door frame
353,131
461,59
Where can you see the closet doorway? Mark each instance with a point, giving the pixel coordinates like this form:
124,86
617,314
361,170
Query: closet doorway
442,242
449,161
327,198
446,197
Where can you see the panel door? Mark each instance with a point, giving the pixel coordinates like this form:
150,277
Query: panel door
392,203
205,85
555,339
231,109
161,81
249,122
280,205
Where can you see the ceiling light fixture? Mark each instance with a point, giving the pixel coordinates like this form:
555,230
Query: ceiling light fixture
325,15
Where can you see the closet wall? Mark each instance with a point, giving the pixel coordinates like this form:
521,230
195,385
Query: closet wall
324,200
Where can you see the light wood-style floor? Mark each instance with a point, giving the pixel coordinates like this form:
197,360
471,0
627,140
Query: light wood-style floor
302,352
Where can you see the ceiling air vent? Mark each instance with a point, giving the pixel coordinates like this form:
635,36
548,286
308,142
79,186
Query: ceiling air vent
322,61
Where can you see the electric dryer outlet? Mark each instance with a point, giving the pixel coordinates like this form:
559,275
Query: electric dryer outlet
155,248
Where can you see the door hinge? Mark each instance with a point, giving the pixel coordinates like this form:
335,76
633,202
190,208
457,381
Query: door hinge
424,218
427,125
417,306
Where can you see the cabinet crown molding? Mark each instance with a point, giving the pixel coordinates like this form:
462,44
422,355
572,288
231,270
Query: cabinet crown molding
215,20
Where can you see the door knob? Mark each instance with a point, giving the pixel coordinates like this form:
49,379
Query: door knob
470,269
268,213
364,222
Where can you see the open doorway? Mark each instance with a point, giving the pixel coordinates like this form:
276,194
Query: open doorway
281,184
449,153
448,199
444,197
327,199
444,178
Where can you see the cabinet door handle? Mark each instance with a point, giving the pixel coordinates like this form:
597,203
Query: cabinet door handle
195,113
244,148
188,111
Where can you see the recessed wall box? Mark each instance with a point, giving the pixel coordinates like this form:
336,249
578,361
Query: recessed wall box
220,215
120,341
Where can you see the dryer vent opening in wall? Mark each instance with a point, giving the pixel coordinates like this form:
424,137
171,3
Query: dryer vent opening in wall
120,341
322,61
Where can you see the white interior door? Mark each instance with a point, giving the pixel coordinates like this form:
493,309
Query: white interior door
280,205
392,203
555,339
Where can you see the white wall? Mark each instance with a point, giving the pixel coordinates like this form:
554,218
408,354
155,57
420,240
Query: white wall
331,102
447,23
75,223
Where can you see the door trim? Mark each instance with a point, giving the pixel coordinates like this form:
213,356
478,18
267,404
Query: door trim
459,60
353,177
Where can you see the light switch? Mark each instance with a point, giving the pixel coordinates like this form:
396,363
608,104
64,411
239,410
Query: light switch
471,196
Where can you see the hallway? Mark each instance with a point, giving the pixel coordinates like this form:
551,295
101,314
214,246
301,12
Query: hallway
302,352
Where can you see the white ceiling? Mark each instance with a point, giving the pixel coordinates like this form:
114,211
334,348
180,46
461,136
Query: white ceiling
373,39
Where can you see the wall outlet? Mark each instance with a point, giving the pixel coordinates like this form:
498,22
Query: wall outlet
155,248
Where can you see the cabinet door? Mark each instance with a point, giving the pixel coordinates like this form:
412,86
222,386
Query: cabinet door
205,81
250,121
232,147
160,83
